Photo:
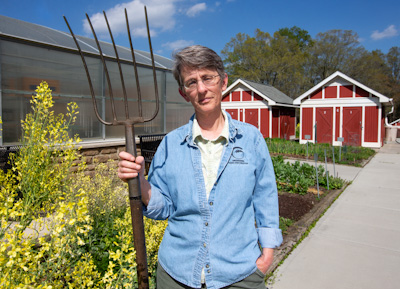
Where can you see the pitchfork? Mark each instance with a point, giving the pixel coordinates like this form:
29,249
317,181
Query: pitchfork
129,122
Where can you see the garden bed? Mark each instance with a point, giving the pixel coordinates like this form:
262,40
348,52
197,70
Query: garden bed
347,155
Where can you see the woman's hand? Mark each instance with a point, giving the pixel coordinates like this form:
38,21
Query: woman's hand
265,260
130,167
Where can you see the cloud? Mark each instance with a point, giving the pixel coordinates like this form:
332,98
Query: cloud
389,32
177,44
196,9
161,14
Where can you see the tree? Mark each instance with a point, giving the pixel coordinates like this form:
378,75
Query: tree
286,65
393,63
277,60
370,68
247,56
332,51
299,35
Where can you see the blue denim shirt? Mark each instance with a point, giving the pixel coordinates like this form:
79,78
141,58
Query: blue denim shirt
222,235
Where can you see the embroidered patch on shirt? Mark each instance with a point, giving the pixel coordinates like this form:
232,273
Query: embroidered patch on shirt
238,157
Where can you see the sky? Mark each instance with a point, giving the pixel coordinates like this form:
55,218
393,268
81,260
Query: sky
175,24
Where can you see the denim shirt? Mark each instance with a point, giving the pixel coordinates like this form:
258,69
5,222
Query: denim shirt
224,233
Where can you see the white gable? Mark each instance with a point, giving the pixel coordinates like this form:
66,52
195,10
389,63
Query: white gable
340,79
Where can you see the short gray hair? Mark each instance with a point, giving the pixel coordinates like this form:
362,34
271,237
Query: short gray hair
196,56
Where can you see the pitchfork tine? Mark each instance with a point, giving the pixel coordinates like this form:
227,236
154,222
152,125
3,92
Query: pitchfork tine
110,90
135,66
87,74
120,69
154,69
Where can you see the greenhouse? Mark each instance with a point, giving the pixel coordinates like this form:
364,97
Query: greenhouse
31,53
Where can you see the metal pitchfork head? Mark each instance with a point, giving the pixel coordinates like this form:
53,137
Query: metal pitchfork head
128,122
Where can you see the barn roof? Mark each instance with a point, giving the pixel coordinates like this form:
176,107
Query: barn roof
17,29
338,75
268,92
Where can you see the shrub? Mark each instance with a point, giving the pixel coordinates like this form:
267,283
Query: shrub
107,202
110,242
80,233
35,199
42,168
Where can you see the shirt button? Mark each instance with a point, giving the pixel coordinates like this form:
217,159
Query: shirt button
211,203
206,224
208,271
204,245
207,266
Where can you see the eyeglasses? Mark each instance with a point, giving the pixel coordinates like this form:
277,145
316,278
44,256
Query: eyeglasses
207,80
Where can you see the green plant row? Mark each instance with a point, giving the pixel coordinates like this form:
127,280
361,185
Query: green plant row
346,155
298,178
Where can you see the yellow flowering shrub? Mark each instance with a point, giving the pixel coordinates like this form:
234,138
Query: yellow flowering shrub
110,242
61,229
121,271
46,156
42,230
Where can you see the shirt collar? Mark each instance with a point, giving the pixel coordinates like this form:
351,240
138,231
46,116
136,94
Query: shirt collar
234,129
196,131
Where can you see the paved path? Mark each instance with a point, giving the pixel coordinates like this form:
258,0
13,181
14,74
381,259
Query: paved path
356,244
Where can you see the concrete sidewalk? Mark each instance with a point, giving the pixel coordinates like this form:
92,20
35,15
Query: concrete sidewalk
356,244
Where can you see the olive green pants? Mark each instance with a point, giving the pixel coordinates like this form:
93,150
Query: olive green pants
254,281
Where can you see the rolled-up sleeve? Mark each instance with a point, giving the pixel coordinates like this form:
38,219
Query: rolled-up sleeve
265,199
155,208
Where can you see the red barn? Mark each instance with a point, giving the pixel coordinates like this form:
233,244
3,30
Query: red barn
341,111
263,106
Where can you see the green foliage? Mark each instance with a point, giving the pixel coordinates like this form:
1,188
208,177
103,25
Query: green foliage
298,130
108,202
335,50
110,242
121,271
276,60
350,155
298,178
284,224
302,38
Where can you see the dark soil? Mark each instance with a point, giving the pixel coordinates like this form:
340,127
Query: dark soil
294,206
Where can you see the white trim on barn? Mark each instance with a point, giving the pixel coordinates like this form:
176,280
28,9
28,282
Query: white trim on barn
338,96
329,81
